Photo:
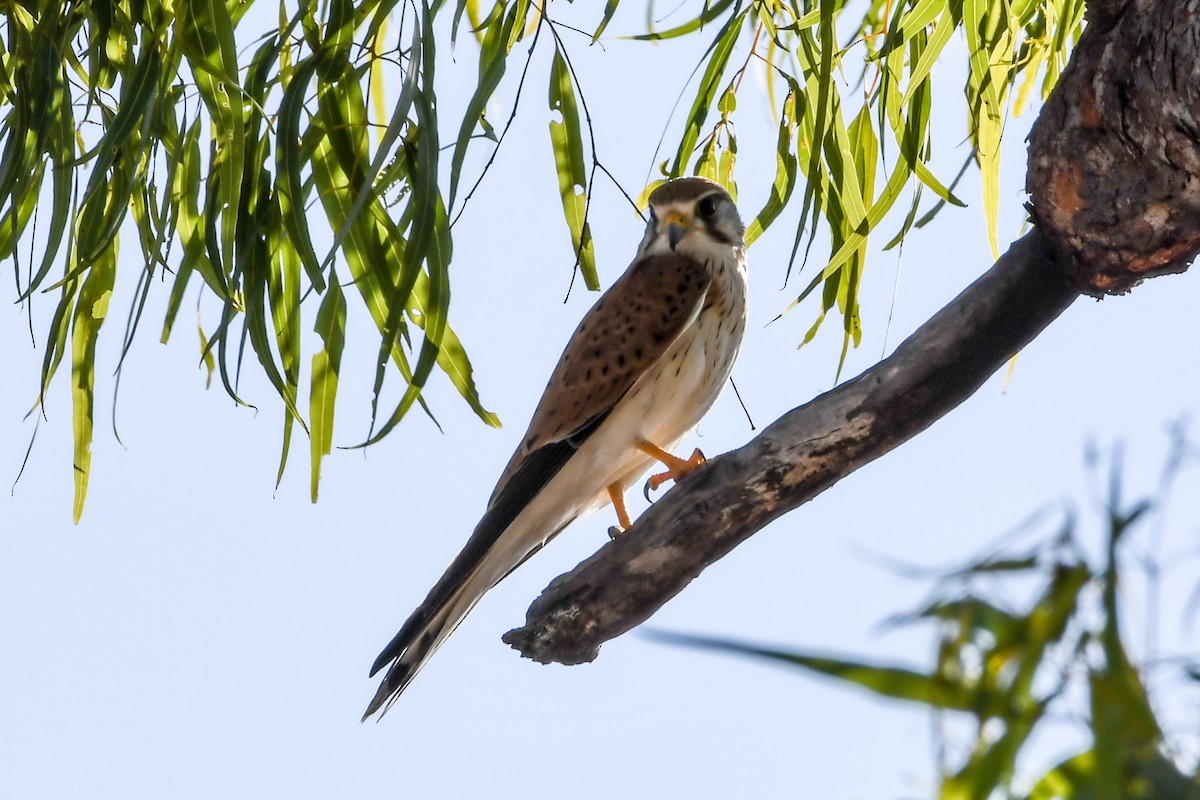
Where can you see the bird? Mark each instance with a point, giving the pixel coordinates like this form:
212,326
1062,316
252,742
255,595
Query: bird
644,365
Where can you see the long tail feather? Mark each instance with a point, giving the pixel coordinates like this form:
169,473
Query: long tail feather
489,555
421,636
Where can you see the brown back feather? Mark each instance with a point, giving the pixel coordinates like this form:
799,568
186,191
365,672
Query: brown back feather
628,329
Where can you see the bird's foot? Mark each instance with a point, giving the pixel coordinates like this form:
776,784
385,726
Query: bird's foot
677,470
617,496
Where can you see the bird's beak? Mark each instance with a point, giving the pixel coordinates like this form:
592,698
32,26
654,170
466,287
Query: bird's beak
677,225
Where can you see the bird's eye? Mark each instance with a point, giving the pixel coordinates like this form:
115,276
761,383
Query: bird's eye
708,206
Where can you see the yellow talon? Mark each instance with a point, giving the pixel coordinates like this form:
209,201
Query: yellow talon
677,468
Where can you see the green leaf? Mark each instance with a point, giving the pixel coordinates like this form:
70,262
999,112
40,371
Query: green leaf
206,357
845,163
189,225
432,295
707,15
610,8
326,369
284,298
91,309
913,23
428,235
62,140
855,241
373,248
118,159
897,683
566,139
205,30
289,165
14,221
718,58
271,299
943,31
372,185
38,79
990,56
911,129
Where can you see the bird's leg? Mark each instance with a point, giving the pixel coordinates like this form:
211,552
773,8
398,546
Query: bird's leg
677,468
618,501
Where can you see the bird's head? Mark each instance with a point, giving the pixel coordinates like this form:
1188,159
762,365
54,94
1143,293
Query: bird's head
693,215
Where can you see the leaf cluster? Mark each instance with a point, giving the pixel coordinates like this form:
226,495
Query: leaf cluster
219,162
1010,669
854,118
304,168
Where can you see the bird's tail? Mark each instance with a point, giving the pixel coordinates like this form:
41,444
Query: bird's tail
420,637
518,522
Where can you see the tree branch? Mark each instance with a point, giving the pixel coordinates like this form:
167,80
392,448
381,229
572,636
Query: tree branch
1114,177
796,458
1114,157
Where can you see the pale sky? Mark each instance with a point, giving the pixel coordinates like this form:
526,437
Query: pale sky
200,635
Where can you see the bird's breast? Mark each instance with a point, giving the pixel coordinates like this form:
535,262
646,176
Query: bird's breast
669,400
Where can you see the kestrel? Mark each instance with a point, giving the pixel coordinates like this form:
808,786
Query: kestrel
645,364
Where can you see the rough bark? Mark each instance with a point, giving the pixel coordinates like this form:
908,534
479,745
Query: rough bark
796,458
1114,157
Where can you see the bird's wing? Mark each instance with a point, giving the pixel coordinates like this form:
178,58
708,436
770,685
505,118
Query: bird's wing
631,326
